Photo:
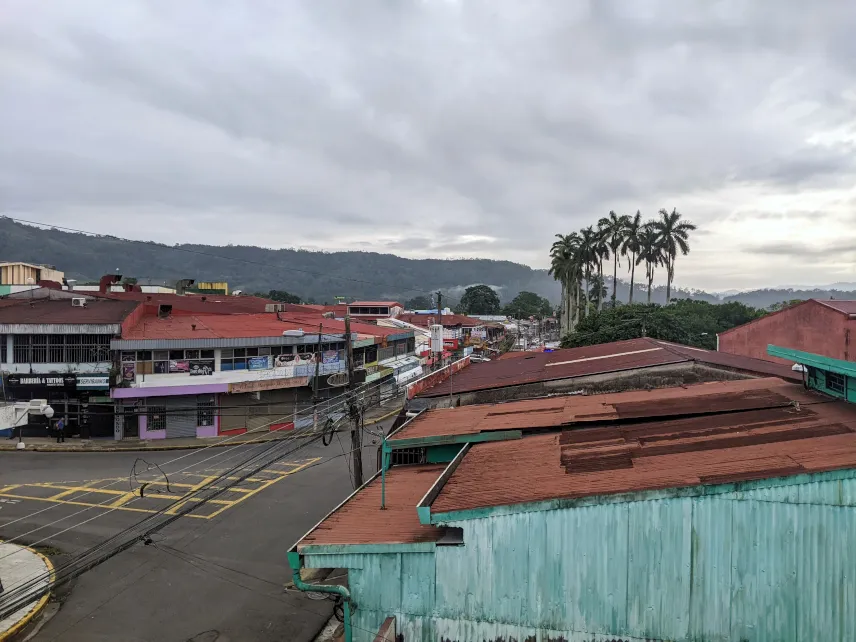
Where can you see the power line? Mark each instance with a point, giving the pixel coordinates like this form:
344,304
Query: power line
23,588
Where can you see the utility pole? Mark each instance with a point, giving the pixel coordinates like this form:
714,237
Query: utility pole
440,322
318,358
356,437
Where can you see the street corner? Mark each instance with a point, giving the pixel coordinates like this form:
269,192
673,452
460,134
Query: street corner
21,566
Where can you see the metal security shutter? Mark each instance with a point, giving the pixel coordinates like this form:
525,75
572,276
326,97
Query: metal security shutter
180,416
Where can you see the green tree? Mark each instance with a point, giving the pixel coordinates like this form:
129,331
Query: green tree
528,304
693,323
421,302
673,235
566,267
631,247
480,299
614,232
282,296
649,252
600,251
784,305
588,257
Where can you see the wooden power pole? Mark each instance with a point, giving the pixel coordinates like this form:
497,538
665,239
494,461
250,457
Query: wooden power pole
353,411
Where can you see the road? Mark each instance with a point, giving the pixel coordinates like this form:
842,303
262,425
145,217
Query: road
215,575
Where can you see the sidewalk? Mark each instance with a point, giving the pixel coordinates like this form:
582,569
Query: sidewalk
19,564
48,444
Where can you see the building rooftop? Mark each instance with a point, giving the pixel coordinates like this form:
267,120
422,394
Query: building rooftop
39,311
532,367
361,521
203,303
424,320
221,326
713,449
375,304
567,410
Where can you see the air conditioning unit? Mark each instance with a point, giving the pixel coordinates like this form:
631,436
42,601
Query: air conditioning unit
78,302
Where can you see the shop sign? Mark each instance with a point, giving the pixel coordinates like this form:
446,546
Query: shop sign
129,372
54,381
330,356
450,344
258,363
93,382
267,384
179,366
338,380
283,360
202,368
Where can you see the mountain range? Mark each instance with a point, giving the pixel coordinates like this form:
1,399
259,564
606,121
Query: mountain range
322,276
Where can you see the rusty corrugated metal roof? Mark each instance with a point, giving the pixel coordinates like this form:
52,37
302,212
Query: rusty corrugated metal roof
846,307
361,520
597,359
533,414
712,449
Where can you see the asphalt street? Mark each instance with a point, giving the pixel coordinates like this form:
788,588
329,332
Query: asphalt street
216,575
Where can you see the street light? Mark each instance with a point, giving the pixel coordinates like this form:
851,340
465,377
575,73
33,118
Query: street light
44,409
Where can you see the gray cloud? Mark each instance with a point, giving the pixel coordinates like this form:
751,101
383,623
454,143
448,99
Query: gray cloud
805,250
422,128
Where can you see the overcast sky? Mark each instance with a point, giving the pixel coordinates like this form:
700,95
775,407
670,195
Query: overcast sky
439,127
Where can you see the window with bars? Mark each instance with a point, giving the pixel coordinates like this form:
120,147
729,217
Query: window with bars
835,382
156,417
205,411
60,348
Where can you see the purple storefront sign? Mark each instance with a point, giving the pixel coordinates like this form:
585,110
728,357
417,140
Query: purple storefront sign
167,391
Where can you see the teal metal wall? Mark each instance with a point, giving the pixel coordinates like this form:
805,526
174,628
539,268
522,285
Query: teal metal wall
772,563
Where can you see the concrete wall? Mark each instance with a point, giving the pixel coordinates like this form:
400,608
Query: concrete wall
773,562
810,327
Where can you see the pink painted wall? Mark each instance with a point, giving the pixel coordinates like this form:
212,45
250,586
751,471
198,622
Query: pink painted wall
810,327
207,431
145,433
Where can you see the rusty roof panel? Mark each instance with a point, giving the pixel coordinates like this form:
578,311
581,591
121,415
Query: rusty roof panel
361,520
818,436
597,359
532,414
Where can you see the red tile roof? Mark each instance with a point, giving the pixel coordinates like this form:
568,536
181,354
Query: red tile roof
845,307
97,311
710,449
203,303
597,359
551,412
219,326
361,520
424,320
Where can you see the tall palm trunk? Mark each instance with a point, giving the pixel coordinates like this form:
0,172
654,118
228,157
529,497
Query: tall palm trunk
650,274
669,262
600,285
614,277
632,275
586,291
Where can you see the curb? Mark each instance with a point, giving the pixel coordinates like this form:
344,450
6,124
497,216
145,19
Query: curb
23,623
119,449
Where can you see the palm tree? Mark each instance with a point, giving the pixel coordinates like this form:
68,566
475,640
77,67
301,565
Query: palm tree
588,258
673,235
565,268
649,252
631,247
601,251
614,229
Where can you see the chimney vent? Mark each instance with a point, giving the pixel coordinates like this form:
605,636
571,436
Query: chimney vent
164,310
192,326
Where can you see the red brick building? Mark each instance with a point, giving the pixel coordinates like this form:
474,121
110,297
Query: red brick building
822,327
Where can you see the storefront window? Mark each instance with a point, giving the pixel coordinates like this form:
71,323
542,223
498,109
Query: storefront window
156,417
205,410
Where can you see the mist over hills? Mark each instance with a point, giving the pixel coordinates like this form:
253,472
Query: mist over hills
321,276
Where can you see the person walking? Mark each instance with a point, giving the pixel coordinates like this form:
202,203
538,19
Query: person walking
60,430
